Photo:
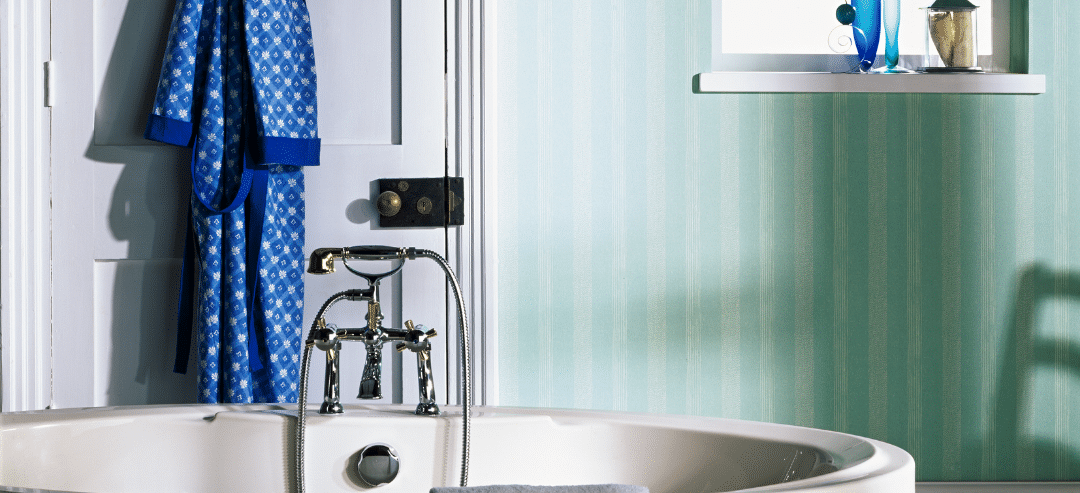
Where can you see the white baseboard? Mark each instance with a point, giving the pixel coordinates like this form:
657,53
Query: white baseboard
1017,487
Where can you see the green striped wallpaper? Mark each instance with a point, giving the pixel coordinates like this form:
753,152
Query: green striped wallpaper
903,267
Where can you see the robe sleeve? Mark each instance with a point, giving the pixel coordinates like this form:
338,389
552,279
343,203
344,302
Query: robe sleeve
281,57
171,118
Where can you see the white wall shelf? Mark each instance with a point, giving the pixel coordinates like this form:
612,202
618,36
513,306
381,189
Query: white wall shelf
804,82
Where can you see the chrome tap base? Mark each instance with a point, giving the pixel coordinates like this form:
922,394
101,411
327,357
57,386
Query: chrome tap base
427,409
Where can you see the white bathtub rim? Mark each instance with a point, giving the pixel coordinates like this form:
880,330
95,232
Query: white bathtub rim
879,459
872,459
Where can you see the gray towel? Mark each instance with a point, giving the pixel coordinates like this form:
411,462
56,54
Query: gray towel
517,488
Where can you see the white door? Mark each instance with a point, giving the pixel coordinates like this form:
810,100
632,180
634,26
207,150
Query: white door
119,202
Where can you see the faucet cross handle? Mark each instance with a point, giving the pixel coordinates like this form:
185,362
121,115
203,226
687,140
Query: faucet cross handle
415,339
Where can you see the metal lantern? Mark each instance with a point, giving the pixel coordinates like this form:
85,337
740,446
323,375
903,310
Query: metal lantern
952,43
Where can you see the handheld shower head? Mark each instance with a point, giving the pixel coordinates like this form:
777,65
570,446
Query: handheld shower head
322,260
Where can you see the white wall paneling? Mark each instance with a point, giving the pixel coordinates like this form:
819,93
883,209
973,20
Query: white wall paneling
25,278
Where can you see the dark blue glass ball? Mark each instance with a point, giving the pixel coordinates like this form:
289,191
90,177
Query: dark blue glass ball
845,13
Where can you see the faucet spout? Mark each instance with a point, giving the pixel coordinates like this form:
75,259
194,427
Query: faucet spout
371,384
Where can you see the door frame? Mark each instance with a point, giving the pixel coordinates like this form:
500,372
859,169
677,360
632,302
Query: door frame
474,246
26,289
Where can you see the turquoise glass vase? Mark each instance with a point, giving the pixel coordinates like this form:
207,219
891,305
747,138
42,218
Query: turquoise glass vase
890,19
867,31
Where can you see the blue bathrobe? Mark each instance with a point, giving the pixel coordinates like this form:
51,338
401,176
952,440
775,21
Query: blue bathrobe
237,85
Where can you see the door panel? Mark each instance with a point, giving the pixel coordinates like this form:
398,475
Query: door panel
128,41
130,326
120,202
362,70
140,201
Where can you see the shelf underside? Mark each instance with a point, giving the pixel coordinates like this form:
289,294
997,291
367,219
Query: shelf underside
801,82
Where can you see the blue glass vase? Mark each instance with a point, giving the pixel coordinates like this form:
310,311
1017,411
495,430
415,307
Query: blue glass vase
867,31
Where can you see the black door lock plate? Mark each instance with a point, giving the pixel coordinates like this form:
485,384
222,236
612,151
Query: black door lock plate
421,202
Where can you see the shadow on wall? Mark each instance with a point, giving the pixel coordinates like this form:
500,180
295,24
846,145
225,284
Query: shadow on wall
1033,457
137,271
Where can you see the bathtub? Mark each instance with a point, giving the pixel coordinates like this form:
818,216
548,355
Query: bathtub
237,448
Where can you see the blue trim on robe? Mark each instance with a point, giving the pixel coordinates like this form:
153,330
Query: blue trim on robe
287,151
169,131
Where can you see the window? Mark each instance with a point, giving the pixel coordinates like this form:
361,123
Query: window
794,35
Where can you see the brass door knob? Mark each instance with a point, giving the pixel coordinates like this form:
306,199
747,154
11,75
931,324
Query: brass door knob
388,203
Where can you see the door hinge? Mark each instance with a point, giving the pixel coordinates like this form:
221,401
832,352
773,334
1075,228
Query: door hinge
50,85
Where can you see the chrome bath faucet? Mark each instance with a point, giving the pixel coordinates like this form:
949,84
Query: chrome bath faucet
328,337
